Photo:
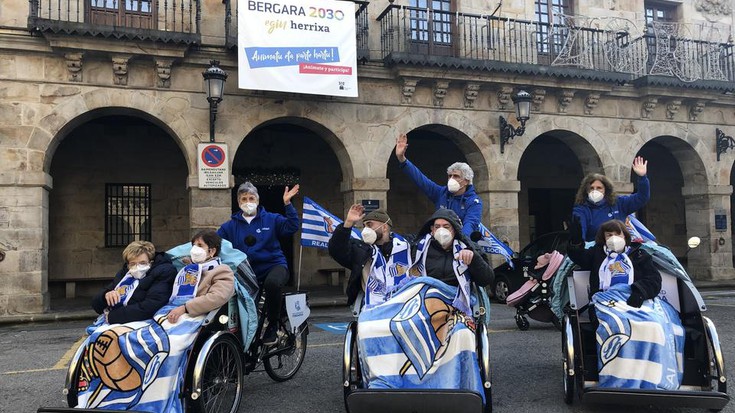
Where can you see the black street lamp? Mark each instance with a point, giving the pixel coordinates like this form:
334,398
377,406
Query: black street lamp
214,79
522,102
724,142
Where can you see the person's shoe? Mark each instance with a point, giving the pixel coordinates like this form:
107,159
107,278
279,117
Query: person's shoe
270,337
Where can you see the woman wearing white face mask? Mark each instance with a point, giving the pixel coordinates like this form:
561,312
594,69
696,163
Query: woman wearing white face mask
458,194
140,288
597,202
614,260
214,281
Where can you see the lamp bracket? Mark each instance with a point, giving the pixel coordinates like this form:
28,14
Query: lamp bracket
724,142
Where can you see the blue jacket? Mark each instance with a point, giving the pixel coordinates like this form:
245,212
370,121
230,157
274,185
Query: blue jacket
266,228
591,216
468,206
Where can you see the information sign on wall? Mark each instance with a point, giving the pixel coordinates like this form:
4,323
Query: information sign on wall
214,169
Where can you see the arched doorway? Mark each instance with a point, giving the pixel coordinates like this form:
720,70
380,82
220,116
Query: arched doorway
288,151
432,148
550,171
118,176
673,165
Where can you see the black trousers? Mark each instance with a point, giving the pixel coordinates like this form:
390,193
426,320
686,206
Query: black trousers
273,284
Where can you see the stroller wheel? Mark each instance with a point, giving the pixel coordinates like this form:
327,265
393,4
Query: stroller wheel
522,323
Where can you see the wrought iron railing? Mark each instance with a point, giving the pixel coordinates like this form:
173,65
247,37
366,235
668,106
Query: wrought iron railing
158,20
361,22
574,47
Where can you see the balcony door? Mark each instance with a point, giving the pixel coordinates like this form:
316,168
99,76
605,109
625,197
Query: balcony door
432,27
137,14
551,31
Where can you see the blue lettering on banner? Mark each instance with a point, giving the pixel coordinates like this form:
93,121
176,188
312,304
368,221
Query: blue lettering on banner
266,7
259,57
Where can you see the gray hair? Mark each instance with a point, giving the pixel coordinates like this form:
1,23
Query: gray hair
464,169
248,188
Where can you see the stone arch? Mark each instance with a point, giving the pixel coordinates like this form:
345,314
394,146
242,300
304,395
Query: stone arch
167,114
549,171
334,142
432,148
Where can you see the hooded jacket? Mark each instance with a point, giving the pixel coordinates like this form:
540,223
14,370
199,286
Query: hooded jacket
467,206
592,215
481,273
262,233
152,293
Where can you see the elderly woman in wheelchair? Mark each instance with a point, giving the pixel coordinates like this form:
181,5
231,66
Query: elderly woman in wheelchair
634,333
424,348
138,365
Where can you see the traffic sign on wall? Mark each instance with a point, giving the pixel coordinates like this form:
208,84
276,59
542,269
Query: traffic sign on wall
214,168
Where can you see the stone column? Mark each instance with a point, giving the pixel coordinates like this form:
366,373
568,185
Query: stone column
501,213
208,208
24,240
712,260
364,188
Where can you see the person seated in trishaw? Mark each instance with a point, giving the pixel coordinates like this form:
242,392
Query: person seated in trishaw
423,337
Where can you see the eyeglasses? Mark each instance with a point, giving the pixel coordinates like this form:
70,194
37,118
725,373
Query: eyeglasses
134,264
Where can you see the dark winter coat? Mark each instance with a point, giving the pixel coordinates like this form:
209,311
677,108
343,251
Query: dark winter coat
481,273
152,293
646,278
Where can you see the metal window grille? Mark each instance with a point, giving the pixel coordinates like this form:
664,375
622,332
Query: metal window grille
127,214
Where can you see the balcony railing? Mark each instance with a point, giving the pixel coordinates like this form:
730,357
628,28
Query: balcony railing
361,26
158,20
573,49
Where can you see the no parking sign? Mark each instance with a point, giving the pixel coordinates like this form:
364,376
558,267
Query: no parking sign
214,169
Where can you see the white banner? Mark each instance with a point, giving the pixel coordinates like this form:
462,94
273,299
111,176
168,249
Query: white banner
300,46
297,310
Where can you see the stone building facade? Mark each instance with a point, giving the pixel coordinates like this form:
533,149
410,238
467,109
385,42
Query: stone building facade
86,105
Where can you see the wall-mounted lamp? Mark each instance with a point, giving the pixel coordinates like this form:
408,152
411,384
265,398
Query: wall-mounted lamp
522,103
724,143
214,81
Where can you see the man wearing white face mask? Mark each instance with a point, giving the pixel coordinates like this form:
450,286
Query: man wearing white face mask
140,288
445,253
378,263
458,194
596,201
256,232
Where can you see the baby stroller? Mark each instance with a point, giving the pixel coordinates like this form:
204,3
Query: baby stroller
533,298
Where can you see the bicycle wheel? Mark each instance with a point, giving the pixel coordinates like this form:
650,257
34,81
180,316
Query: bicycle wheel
221,378
288,354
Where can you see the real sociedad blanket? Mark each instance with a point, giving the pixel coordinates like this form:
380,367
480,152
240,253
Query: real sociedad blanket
638,348
418,340
138,365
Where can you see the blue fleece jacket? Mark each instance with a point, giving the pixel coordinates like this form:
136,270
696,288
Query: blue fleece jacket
592,215
468,206
266,228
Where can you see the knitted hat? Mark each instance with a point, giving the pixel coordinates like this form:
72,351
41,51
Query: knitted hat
379,216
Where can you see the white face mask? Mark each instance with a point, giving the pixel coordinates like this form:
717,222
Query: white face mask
453,186
615,243
595,196
198,254
443,237
249,208
139,271
369,236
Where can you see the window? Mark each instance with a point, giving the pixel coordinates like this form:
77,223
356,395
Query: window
139,14
127,214
550,16
659,12
431,26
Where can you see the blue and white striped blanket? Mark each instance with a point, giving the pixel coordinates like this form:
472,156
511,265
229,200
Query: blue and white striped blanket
418,340
138,365
637,348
